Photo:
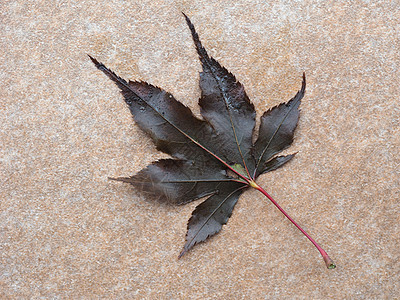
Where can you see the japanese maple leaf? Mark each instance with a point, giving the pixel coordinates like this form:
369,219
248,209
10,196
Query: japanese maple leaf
213,157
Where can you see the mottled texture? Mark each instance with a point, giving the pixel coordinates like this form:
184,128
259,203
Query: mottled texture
68,232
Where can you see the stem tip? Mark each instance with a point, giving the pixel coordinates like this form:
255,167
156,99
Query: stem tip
329,262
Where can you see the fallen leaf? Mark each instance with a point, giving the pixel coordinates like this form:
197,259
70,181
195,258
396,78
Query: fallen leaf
213,157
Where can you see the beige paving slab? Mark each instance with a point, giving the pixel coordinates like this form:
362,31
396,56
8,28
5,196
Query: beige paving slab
68,232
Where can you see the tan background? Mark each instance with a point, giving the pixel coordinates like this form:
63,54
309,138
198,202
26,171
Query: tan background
68,232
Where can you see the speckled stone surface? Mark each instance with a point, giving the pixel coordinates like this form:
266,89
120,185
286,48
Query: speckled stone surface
67,232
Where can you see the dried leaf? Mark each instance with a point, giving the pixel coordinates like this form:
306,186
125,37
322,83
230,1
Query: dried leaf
213,156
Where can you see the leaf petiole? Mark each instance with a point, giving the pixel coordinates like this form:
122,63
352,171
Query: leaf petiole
328,261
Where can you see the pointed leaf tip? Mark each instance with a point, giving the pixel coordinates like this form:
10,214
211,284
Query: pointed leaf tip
187,20
303,84
93,60
182,253
123,179
276,163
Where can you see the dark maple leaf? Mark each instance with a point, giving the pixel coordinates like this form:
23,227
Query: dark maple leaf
213,156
